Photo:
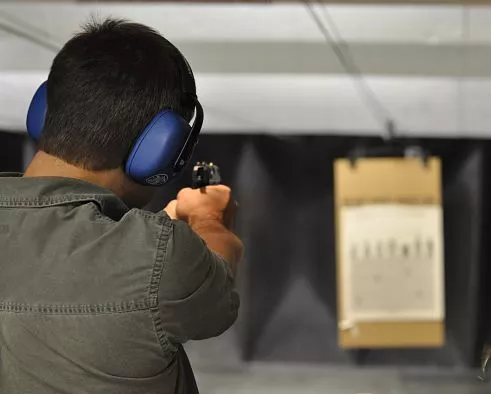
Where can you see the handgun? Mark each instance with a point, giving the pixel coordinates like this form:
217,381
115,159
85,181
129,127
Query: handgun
205,174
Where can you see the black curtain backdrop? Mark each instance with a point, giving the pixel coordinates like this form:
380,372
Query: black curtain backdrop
11,151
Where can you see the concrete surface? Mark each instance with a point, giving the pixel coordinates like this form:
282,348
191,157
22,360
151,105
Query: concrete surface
270,378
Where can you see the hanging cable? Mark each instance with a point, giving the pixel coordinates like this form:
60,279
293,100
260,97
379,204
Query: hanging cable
23,24
31,37
345,57
463,67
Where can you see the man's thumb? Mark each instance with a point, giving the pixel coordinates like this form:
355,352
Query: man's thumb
170,209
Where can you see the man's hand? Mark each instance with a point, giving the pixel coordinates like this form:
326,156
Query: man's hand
198,207
210,212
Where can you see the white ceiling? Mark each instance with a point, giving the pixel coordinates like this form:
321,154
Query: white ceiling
252,22
265,68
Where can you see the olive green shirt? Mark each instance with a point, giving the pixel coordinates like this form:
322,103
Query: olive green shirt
98,298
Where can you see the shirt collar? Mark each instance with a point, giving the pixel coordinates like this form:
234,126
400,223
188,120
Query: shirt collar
16,190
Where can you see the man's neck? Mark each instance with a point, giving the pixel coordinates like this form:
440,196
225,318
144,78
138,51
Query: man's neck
44,165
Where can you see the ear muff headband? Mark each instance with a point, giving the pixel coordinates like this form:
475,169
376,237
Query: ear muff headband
188,148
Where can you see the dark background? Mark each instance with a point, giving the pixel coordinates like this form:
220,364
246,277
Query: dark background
286,219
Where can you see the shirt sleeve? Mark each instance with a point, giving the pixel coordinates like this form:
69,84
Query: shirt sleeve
197,299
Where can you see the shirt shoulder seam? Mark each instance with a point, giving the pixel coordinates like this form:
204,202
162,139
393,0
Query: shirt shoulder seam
154,286
75,309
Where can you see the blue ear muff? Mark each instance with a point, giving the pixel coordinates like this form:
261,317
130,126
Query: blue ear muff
37,112
159,154
152,159
164,148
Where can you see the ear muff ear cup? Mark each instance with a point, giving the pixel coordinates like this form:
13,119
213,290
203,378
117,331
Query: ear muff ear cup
153,156
36,115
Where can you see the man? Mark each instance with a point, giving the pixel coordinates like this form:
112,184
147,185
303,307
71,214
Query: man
97,295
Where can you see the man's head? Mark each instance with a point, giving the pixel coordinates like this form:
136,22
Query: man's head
105,85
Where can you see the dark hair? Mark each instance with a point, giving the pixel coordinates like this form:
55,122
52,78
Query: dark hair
104,87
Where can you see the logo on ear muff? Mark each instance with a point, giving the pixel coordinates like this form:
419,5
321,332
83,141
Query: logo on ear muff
160,153
157,180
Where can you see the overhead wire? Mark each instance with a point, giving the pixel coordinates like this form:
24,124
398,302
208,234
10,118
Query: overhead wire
32,36
24,24
341,49
463,67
